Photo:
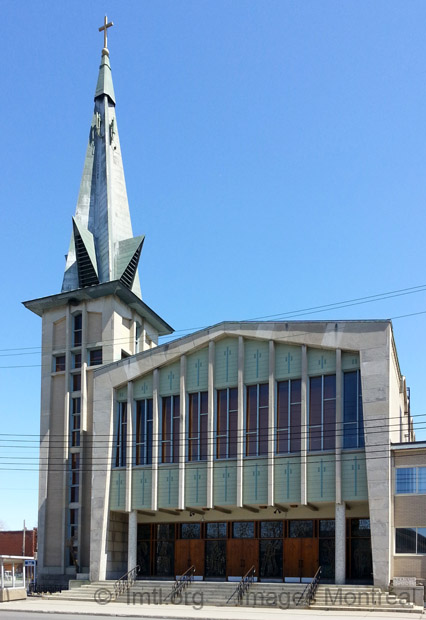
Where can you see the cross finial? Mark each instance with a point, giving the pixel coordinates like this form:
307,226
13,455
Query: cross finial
106,25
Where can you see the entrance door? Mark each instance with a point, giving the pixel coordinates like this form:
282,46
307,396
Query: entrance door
301,557
189,553
241,556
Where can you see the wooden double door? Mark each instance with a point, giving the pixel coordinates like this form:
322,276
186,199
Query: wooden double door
301,557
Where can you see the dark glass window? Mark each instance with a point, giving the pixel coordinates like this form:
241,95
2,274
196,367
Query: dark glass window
190,530
271,529
59,363
95,357
77,330
360,528
215,565
75,477
143,439
76,359
216,530
301,529
76,382
75,422
405,540
421,540
170,429
353,424
322,412
144,531
257,419
73,523
244,529
271,559
326,528
226,423
197,426
121,436
405,480
165,531
289,416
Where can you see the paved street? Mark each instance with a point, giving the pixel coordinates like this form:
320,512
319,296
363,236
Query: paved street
40,609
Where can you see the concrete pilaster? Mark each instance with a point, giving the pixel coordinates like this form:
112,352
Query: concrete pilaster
155,437
210,426
182,442
340,544
129,448
304,428
271,423
240,431
339,425
132,540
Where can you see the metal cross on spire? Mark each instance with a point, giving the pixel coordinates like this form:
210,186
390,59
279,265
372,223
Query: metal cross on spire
104,28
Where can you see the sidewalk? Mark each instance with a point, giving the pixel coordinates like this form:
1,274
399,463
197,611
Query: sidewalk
183,612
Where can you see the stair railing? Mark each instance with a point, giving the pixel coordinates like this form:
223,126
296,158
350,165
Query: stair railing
182,582
126,581
243,585
308,593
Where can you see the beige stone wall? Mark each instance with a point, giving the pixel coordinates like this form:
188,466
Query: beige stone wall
59,334
410,511
94,328
117,545
410,458
409,566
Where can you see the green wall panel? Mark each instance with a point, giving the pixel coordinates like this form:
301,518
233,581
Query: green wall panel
226,363
196,484
321,361
255,481
287,479
354,476
170,379
141,488
350,361
122,394
142,388
197,371
288,361
117,497
168,485
256,361
321,478
225,483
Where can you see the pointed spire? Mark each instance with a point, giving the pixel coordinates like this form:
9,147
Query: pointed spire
102,247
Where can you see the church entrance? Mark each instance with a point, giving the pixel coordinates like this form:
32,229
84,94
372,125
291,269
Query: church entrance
301,557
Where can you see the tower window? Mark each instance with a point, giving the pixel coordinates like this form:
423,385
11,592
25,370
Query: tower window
95,357
77,330
121,437
170,429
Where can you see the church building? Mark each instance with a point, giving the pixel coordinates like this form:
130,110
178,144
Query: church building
265,444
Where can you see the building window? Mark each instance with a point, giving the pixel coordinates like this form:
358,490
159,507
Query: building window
410,480
75,422
410,540
138,334
257,419
226,423
121,441
75,476
76,360
76,382
197,426
170,429
322,412
143,440
77,330
59,363
301,529
289,416
95,357
353,423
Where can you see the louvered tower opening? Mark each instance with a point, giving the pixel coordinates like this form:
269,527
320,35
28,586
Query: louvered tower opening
130,272
86,273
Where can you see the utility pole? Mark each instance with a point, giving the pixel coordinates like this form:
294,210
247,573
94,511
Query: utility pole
23,539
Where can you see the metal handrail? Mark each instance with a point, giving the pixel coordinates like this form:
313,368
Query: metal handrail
127,580
309,592
183,582
243,585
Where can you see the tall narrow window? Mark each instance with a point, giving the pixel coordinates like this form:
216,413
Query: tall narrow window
226,423
75,422
322,412
257,419
353,423
143,439
77,330
75,476
289,416
197,426
170,430
121,437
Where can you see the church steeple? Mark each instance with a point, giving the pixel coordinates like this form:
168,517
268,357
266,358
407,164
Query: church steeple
102,247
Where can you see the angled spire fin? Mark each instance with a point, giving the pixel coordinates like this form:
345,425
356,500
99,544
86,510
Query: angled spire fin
85,255
127,259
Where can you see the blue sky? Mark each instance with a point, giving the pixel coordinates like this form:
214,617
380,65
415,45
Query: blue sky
275,158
